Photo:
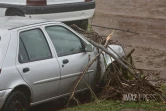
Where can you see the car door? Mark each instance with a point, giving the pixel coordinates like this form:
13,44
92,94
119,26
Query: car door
72,57
37,64
49,2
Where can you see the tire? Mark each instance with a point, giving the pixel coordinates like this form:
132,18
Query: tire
16,101
14,13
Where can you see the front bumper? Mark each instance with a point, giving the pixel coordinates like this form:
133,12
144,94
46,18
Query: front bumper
58,12
3,96
58,8
66,16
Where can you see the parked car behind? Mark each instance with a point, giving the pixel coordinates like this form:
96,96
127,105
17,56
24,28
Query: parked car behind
61,10
40,60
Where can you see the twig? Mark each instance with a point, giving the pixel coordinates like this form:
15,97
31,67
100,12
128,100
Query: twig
113,56
129,54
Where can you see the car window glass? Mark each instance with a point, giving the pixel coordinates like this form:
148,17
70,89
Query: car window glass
65,41
23,57
35,44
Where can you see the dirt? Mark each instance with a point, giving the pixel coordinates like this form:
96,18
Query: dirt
146,17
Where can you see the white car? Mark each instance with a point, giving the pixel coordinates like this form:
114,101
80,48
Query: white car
40,61
59,10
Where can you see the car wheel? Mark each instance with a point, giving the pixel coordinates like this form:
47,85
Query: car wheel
17,101
14,13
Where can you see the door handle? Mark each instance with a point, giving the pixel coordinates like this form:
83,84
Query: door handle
26,70
65,61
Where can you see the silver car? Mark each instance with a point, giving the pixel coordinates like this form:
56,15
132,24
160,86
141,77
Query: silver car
40,60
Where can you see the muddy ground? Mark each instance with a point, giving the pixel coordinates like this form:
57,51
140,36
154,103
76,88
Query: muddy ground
146,17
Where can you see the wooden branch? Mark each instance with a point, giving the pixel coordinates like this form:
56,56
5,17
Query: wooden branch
113,56
129,54
140,85
87,67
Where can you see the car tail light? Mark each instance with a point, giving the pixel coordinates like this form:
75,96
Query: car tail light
36,2
88,0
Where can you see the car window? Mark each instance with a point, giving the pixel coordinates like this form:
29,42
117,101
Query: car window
23,57
65,41
33,46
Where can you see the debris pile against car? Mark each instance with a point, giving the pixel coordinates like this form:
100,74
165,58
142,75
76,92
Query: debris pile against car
121,80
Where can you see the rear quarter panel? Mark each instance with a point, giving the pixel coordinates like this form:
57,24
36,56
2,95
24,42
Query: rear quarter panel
9,76
4,42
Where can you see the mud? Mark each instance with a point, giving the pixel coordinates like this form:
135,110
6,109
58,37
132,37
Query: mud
146,17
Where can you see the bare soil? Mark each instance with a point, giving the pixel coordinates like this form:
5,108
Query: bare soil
146,17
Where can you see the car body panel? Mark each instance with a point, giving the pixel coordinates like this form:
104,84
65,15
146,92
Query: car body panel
47,79
43,77
71,71
50,2
57,10
79,61
9,76
21,2
64,17
4,42
114,49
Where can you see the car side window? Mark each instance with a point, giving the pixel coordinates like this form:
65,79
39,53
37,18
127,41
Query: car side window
23,57
33,46
65,41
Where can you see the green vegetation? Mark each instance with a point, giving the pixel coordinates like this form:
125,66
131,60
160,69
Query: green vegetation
110,105
117,106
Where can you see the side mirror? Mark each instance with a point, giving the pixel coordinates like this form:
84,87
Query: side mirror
88,48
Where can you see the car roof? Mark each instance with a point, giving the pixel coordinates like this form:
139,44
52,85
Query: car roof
12,22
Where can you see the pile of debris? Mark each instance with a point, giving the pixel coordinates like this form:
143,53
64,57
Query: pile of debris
122,80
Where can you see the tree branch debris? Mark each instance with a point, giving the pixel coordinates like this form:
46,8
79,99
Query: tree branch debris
121,79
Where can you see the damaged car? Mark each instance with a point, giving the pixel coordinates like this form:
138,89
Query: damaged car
40,60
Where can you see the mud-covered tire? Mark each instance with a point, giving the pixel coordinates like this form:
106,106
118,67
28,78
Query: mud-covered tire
17,101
